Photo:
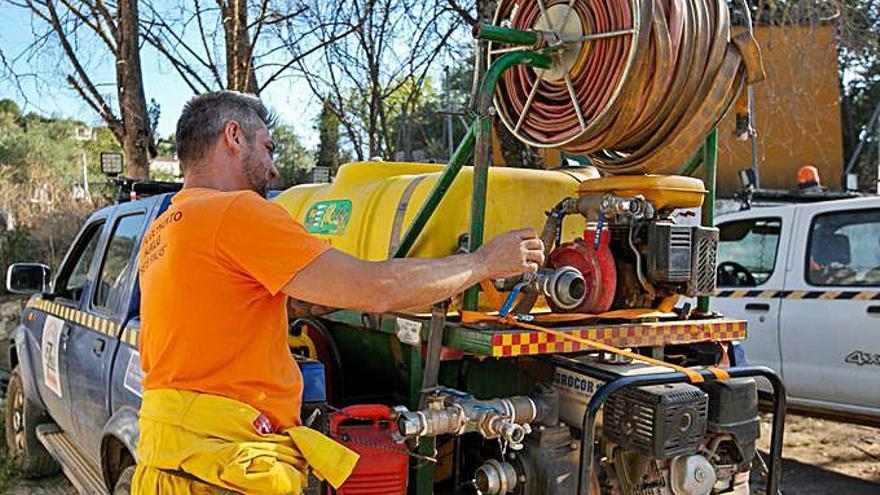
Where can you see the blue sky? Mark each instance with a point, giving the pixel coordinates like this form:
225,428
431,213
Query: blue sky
50,94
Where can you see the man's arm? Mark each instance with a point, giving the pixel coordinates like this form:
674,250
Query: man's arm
302,309
338,280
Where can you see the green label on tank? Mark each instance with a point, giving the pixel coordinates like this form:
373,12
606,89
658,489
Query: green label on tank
329,217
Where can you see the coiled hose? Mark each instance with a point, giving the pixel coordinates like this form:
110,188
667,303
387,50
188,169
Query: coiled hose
635,84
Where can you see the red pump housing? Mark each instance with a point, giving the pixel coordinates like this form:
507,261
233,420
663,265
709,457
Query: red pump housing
596,265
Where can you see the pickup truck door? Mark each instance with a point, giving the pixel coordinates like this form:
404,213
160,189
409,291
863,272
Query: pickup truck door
93,343
751,271
60,313
830,325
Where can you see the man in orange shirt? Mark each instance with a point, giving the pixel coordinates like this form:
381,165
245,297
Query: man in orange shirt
217,268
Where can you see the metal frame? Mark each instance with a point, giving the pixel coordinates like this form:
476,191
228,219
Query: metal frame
615,383
556,38
478,140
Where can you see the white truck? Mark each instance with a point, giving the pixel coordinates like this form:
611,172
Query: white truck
807,279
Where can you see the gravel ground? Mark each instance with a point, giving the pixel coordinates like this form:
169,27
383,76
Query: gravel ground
57,485
822,457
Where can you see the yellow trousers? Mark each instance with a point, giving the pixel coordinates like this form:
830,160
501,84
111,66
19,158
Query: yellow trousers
213,439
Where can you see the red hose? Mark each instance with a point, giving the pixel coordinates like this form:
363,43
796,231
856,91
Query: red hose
646,99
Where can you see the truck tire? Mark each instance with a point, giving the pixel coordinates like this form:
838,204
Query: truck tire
22,418
123,484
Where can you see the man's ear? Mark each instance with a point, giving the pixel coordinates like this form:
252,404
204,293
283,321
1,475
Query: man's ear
233,137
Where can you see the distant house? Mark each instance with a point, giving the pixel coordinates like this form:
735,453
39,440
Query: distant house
83,133
169,165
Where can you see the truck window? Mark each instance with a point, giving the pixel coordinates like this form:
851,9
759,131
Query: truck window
72,284
844,249
747,251
115,266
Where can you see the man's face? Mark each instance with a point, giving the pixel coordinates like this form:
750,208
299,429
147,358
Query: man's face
259,167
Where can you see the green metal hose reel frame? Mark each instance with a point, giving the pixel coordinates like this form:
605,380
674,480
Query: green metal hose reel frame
478,140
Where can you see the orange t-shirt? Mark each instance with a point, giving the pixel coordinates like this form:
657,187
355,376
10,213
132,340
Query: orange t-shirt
212,314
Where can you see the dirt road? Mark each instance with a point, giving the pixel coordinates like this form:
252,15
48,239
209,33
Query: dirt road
823,457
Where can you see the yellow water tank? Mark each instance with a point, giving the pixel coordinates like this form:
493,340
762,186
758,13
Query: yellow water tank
367,209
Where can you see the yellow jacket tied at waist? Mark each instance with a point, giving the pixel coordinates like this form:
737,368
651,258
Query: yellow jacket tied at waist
214,439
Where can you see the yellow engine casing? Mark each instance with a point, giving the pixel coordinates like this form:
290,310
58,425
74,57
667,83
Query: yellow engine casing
369,206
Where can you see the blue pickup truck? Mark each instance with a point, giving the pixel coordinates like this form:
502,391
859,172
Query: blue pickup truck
75,385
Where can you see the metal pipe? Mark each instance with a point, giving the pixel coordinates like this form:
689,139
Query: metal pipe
753,136
710,153
596,36
553,227
478,134
432,354
483,138
694,164
498,34
456,415
450,137
462,152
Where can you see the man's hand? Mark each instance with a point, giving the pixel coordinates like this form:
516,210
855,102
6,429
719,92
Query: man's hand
342,281
513,253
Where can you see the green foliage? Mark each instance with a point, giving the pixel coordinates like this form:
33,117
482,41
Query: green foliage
420,134
10,107
328,135
38,144
859,58
293,160
154,111
15,246
167,146
40,162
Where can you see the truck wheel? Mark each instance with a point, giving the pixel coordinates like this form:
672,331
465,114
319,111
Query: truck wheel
123,484
22,418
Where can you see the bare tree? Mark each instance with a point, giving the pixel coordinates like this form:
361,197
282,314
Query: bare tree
236,38
374,79
73,23
856,24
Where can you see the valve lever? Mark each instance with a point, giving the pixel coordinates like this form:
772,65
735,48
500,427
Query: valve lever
600,225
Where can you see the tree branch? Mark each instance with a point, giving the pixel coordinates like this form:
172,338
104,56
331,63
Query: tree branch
112,122
105,111
259,24
108,18
184,70
463,13
213,66
302,55
93,25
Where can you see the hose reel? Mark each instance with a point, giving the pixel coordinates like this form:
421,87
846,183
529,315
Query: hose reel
635,84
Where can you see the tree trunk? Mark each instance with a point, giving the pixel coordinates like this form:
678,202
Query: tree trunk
486,10
240,74
137,137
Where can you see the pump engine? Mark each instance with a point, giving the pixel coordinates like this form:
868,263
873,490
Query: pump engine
671,439
635,252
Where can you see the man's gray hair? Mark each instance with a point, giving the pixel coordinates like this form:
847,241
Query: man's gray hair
205,116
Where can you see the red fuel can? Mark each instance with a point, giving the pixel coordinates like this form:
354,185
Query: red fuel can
383,465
